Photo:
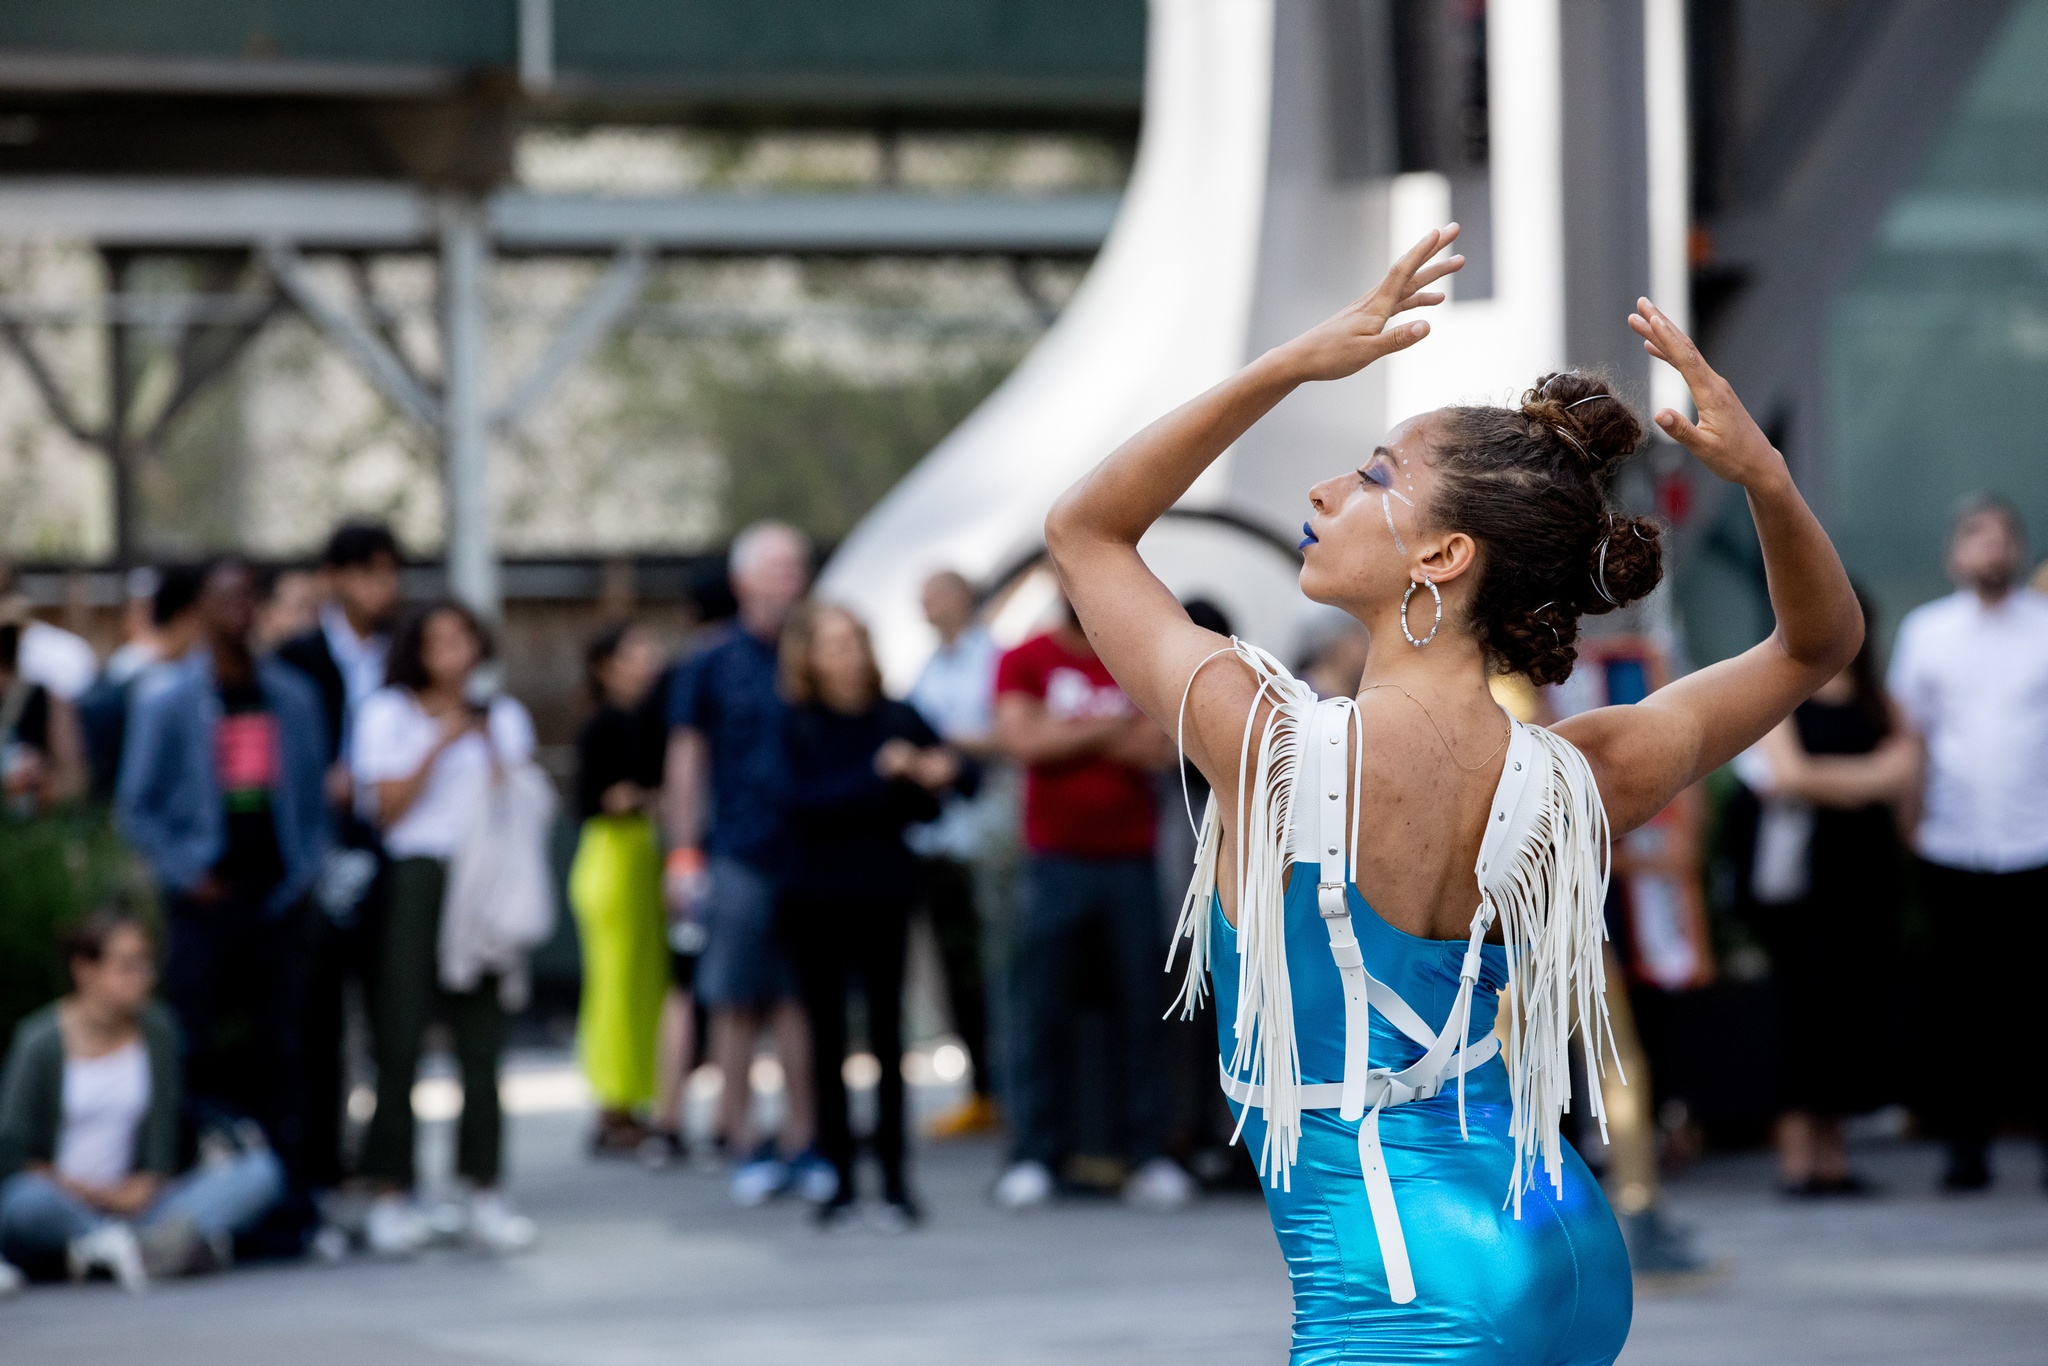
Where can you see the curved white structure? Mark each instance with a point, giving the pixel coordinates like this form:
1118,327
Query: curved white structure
1235,233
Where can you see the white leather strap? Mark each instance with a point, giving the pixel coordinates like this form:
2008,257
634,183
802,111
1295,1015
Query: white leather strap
1330,741
1382,1086
1386,1219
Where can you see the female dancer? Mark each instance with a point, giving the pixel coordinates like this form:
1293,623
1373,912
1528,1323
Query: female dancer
1414,1173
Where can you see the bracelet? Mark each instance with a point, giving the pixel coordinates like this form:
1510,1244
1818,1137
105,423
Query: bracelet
687,862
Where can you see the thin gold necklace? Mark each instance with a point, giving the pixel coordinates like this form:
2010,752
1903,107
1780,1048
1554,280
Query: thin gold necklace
1469,768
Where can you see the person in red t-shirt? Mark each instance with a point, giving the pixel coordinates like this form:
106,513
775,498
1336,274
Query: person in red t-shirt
1088,816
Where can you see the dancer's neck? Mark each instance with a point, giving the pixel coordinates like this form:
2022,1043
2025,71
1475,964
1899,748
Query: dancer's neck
1449,665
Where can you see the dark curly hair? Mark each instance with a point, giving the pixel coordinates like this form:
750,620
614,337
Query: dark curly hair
1530,485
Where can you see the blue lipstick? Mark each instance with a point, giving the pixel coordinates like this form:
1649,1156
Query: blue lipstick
1308,537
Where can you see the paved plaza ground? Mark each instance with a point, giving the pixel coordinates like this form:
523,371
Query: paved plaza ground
639,1269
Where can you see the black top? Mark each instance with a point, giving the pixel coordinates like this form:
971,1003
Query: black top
308,652
32,726
1834,950
251,862
618,746
846,822
1854,852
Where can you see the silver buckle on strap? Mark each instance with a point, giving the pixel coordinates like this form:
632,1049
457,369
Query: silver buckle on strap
1343,911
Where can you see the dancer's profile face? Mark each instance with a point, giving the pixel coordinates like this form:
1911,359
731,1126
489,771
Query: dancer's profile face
1366,528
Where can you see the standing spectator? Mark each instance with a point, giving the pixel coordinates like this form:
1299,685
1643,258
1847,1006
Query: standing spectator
89,1130
288,606
1088,832
343,655
1970,671
727,787
861,769
220,792
956,693
1823,894
615,884
423,754
42,755
59,660
168,629
138,645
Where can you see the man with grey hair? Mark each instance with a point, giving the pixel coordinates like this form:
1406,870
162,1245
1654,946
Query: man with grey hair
1971,673
724,792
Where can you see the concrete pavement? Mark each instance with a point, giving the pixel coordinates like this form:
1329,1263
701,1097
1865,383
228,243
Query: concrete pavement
640,1269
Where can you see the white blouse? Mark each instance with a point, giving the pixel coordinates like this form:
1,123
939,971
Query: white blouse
105,1101
393,734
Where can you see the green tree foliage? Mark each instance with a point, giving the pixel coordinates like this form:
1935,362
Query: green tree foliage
817,447
52,870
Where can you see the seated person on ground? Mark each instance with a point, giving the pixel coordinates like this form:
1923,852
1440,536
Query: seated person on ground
89,1130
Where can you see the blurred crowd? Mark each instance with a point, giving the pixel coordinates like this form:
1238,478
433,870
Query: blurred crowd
348,837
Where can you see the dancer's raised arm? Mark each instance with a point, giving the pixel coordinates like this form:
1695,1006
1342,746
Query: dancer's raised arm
1645,755
1132,620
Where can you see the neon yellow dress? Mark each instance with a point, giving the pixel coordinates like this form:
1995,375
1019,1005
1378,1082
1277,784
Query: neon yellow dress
615,890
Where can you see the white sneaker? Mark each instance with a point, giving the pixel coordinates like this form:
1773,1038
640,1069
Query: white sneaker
1026,1185
395,1227
11,1280
497,1227
1160,1184
110,1248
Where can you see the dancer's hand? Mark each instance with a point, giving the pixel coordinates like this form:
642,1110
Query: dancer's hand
1726,438
1360,335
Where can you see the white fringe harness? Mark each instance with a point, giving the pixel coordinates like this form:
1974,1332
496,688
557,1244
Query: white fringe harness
1542,871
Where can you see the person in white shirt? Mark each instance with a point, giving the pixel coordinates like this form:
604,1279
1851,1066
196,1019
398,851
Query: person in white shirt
956,692
1970,671
422,753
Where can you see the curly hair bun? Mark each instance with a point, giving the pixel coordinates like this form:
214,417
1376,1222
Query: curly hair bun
1531,485
1625,565
1584,410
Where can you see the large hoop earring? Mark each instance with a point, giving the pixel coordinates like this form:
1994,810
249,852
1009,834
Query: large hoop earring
1434,626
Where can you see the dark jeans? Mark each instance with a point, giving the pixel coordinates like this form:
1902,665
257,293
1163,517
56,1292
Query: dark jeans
332,960
235,978
956,924
1062,896
1979,923
337,953
835,940
405,996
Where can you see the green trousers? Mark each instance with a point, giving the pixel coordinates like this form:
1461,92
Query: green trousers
405,997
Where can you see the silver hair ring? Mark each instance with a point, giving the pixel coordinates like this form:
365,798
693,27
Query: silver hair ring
1434,626
1600,575
1591,398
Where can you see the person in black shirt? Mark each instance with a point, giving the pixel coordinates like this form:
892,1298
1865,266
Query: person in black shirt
615,884
861,768
343,656
220,792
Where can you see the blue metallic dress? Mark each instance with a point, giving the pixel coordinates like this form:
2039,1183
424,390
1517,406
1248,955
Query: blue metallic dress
1550,1288
1421,1190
